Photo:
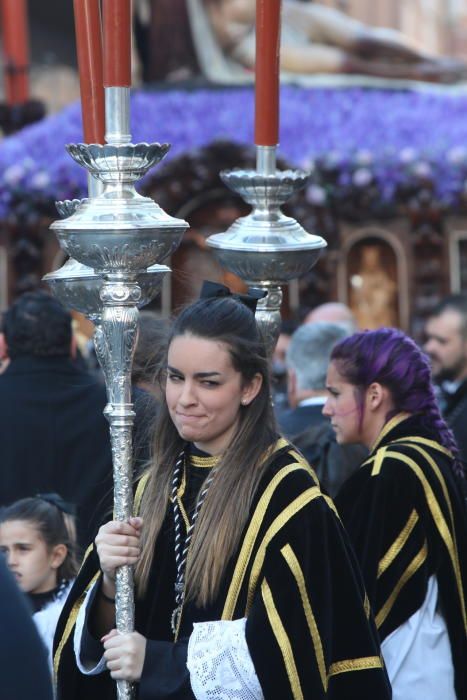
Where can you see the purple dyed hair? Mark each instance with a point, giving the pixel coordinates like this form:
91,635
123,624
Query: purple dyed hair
390,358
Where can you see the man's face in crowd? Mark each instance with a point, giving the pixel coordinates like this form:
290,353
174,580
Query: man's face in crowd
446,346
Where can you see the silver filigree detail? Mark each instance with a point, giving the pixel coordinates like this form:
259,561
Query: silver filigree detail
125,162
268,316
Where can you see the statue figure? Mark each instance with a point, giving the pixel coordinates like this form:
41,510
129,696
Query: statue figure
373,293
315,39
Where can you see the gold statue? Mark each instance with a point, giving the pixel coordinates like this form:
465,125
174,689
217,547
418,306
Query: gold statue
373,293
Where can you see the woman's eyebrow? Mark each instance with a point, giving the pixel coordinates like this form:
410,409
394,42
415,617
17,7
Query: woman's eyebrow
20,543
198,375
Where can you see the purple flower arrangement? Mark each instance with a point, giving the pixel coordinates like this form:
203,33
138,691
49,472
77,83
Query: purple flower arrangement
369,146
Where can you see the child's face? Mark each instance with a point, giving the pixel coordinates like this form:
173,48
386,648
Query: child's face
32,563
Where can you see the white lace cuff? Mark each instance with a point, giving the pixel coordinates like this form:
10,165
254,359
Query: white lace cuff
220,664
88,668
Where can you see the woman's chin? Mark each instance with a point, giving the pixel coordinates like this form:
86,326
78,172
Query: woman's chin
188,433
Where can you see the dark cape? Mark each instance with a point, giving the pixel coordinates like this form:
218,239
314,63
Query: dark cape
404,513
54,437
24,671
294,577
455,415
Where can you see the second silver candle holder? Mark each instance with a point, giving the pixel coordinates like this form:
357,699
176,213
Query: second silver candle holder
266,248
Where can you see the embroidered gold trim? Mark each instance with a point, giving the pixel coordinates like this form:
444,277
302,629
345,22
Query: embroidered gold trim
378,461
283,641
279,445
361,664
390,425
425,441
440,522
282,519
143,482
412,568
204,462
250,539
386,561
332,505
441,480
294,565
306,465
70,624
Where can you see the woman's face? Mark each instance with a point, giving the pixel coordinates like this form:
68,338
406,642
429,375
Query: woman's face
341,407
204,392
29,559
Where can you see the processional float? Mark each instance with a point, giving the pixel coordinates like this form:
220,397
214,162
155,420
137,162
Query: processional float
117,240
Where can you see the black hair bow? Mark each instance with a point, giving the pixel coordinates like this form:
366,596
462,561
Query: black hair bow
55,500
212,290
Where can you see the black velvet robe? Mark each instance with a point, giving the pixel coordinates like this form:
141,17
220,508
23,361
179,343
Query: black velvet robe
405,516
309,628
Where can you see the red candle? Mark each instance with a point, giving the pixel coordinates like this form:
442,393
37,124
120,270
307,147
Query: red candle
14,17
117,43
89,50
268,21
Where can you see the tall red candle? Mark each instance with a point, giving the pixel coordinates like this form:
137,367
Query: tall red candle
89,51
117,43
268,21
14,18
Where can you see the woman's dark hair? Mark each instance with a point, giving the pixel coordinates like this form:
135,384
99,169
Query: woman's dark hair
37,324
390,358
54,526
225,511
152,339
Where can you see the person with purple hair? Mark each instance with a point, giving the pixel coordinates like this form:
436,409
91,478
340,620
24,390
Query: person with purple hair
403,510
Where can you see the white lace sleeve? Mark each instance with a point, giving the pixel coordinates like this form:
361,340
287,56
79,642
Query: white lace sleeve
87,668
220,664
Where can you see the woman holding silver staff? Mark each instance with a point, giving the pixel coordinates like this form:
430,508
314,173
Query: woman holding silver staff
246,586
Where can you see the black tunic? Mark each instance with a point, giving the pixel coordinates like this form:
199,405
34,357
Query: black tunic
404,514
24,671
309,628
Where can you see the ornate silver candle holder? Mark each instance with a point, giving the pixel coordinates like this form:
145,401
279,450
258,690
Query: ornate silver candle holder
119,236
266,248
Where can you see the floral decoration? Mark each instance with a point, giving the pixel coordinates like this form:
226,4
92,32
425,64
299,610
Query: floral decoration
369,150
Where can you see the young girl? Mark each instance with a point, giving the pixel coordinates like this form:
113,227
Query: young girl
403,510
246,586
38,539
